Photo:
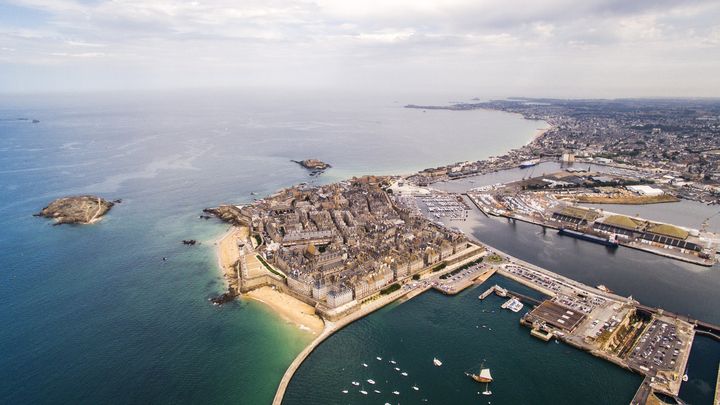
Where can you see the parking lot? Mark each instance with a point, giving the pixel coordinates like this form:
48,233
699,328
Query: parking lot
658,349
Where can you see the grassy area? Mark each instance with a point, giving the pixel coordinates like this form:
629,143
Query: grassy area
270,268
461,268
392,288
439,267
626,199
493,258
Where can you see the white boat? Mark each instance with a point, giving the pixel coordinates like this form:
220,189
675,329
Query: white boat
344,391
416,388
513,304
396,393
397,368
685,378
355,383
364,365
393,362
379,358
437,362
404,374
371,381
377,391
363,392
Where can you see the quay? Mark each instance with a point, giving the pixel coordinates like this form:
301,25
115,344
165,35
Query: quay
503,292
561,221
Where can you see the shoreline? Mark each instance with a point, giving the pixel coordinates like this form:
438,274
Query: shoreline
227,254
288,308
285,306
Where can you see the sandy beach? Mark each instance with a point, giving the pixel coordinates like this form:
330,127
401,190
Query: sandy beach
539,132
228,252
289,308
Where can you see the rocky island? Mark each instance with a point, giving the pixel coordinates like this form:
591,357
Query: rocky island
85,209
314,165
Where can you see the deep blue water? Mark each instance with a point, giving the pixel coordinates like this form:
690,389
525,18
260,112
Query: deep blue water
91,314
463,332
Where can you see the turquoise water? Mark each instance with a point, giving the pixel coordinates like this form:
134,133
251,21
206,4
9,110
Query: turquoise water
91,314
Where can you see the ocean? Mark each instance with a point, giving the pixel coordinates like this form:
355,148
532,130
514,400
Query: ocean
92,314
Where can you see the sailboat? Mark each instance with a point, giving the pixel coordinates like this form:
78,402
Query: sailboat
483,377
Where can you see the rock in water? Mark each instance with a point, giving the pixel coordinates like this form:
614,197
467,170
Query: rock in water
315,166
85,209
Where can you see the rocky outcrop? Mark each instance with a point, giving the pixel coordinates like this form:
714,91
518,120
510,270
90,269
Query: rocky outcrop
228,213
315,166
85,209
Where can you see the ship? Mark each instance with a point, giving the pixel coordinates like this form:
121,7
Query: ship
483,377
529,163
437,362
603,288
609,241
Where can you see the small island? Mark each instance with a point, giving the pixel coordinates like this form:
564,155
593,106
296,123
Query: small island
314,165
85,209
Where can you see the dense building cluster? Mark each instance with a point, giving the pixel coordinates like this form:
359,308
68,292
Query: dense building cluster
675,138
346,241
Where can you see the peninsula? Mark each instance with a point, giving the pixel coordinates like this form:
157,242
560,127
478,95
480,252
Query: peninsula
325,256
85,209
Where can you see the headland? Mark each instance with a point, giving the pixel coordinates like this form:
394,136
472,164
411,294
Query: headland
349,248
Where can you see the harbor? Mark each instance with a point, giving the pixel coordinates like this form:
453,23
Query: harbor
613,328
547,202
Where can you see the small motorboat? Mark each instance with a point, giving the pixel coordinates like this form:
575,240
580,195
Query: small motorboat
437,362
396,392
404,374
371,381
355,383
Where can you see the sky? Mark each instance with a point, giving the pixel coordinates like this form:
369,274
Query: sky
553,48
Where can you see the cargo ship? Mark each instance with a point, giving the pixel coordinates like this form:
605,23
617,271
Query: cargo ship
609,241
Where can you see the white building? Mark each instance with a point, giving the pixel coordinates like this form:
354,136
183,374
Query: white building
646,190
335,298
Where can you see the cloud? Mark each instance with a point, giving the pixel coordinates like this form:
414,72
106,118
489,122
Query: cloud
374,43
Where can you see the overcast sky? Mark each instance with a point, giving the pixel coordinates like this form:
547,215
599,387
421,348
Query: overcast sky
566,48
